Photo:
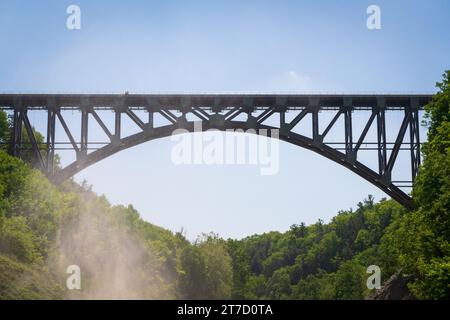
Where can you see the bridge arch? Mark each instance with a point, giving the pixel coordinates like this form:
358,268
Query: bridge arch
221,112
292,138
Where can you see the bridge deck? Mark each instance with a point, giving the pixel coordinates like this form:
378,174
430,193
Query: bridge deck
211,101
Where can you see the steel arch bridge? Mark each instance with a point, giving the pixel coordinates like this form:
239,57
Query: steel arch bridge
222,112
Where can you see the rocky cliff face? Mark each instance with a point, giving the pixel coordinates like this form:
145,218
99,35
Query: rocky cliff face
396,288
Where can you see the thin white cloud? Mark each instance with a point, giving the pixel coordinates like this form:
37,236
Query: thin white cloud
290,81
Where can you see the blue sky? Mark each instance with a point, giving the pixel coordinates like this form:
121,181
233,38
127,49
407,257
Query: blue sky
224,46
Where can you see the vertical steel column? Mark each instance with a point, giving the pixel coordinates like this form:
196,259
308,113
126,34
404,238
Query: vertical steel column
348,130
51,116
347,110
417,129
17,132
150,118
381,137
117,124
282,118
84,130
314,103
281,108
414,139
315,124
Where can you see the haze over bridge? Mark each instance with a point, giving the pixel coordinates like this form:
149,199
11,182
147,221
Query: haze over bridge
286,112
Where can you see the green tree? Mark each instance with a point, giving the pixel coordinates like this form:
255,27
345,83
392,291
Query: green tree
17,240
218,267
429,227
350,281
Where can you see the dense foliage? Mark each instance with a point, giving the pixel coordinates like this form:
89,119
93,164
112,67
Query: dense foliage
321,261
426,233
44,229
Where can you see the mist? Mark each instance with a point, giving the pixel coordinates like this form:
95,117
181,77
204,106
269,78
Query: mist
114,262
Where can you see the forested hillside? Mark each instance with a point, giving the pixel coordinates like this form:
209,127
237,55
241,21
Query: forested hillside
321,261
45,228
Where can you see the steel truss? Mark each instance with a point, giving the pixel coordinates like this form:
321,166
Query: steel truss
220,111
